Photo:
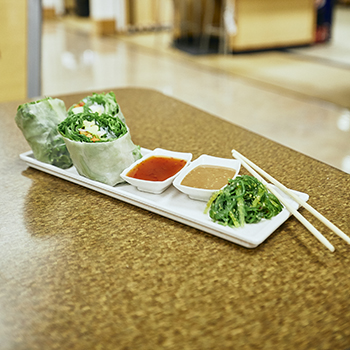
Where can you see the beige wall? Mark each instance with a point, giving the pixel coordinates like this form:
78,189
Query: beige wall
13,50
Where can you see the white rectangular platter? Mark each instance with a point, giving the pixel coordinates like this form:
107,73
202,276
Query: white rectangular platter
173,205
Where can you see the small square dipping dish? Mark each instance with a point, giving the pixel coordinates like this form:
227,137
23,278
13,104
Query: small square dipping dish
202,194
156,187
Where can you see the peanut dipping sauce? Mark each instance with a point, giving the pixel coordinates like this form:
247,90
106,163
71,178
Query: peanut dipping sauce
209,177
157,168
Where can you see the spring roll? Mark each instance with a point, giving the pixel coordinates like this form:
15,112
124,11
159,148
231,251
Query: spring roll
38,122
100,145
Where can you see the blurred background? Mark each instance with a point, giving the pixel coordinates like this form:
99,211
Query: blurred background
217,55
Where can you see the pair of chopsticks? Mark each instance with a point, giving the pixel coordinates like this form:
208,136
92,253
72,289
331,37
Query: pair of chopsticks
255,171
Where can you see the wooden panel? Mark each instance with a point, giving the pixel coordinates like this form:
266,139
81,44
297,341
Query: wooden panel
49,13
105,26
260,24
165,12
13,50
273,23
69,5
144,13
150,13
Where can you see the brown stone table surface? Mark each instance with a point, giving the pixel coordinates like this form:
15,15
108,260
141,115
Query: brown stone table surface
81,270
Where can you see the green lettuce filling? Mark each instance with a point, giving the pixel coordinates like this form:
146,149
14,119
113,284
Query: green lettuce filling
92,127
104,103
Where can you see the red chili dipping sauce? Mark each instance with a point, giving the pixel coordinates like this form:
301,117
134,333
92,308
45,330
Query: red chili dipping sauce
157,168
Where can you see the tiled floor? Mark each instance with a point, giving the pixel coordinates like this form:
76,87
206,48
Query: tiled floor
74,59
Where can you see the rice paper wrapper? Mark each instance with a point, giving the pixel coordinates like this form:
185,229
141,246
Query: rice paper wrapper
103,161
38,122
121,116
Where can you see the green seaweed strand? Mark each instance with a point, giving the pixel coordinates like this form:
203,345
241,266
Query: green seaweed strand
244,200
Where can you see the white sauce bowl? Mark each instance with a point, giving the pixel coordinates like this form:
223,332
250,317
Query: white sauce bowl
200,193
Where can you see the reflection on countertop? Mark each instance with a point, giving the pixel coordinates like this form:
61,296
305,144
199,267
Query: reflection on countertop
75,59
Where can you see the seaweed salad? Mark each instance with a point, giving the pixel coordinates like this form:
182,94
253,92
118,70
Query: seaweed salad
244,200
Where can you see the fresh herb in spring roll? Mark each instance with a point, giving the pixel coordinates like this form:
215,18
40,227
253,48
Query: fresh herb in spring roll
104,103
100,145
38,122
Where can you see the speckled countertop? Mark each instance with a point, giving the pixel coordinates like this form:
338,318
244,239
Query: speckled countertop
81,270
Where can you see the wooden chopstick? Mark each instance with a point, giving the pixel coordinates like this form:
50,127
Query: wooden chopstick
290,208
